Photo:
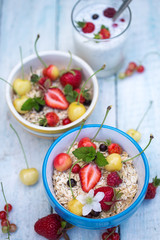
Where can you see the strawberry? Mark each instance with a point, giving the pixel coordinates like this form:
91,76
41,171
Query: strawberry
87,27
86,142
89,175
109,12
109,194
113,179
152,187
104,33
49,227
82,99
72,77
114,148
51,119
55,98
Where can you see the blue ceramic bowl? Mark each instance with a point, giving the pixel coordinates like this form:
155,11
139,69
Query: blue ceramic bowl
107,132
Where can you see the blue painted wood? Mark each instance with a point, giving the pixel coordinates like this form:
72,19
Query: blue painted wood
20,22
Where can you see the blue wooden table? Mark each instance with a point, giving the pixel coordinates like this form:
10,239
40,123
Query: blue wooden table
20,22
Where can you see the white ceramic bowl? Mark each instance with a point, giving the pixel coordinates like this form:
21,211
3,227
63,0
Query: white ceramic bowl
107,132
61,60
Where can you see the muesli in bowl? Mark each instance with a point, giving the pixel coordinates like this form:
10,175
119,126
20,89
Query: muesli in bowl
49,99
93,182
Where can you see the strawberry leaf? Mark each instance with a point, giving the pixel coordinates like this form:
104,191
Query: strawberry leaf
68,88
35,78
156,181
87,154
31,103
43,122
81,24
40,101
70,94
100,160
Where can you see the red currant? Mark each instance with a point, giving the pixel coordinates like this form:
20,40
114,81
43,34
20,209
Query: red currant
105,236
132,66
128,72
12,228
5,222
140,69
3,215
76,168
115,236
66,121
9,207
5,229
113,229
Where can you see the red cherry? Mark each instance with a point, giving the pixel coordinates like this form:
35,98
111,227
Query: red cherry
132,66
128,72
76,168
3,215
4,222
62,162
9,207
66,121
86,142
51,72
140,69
12,228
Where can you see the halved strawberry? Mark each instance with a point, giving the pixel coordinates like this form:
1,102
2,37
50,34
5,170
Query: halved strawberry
89,175
55,98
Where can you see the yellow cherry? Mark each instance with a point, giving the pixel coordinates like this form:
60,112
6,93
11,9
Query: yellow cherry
75,206
21,86
18,102
114,162
76,110
136,135
29,176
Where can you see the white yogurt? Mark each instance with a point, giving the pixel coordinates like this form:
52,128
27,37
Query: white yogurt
104,51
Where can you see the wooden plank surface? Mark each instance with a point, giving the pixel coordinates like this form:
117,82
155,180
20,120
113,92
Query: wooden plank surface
20,22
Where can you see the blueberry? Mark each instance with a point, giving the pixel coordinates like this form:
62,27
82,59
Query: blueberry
103,147
40,108
95,16
94,213
87,102
73,182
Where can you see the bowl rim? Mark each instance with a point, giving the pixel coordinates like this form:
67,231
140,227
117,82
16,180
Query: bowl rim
59,129
109,219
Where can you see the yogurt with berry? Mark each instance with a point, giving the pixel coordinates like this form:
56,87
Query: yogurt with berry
97,39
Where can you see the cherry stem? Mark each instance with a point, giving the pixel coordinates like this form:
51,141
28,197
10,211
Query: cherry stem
65,235
83,86
7,82
110,234
22,66
70,177
7,209
107,111
148,54
150,104
21,145
35,48
151,137
76,137
70,61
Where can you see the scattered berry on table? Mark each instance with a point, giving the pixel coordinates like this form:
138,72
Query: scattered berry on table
115,236
140,69
87,27
152,188
12,228
122,75
128,72
9,207
103,147
4,222
105,236
5,229
3,215
132,66
73,182
113,179
113,229
49,226
109,12
95,16
66,121
76,168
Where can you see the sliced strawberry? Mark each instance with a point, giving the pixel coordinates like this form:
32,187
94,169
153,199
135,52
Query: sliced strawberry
114,148
82,99
89,175
55,98
109,194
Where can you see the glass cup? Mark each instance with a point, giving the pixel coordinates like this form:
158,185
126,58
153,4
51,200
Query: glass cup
97,52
